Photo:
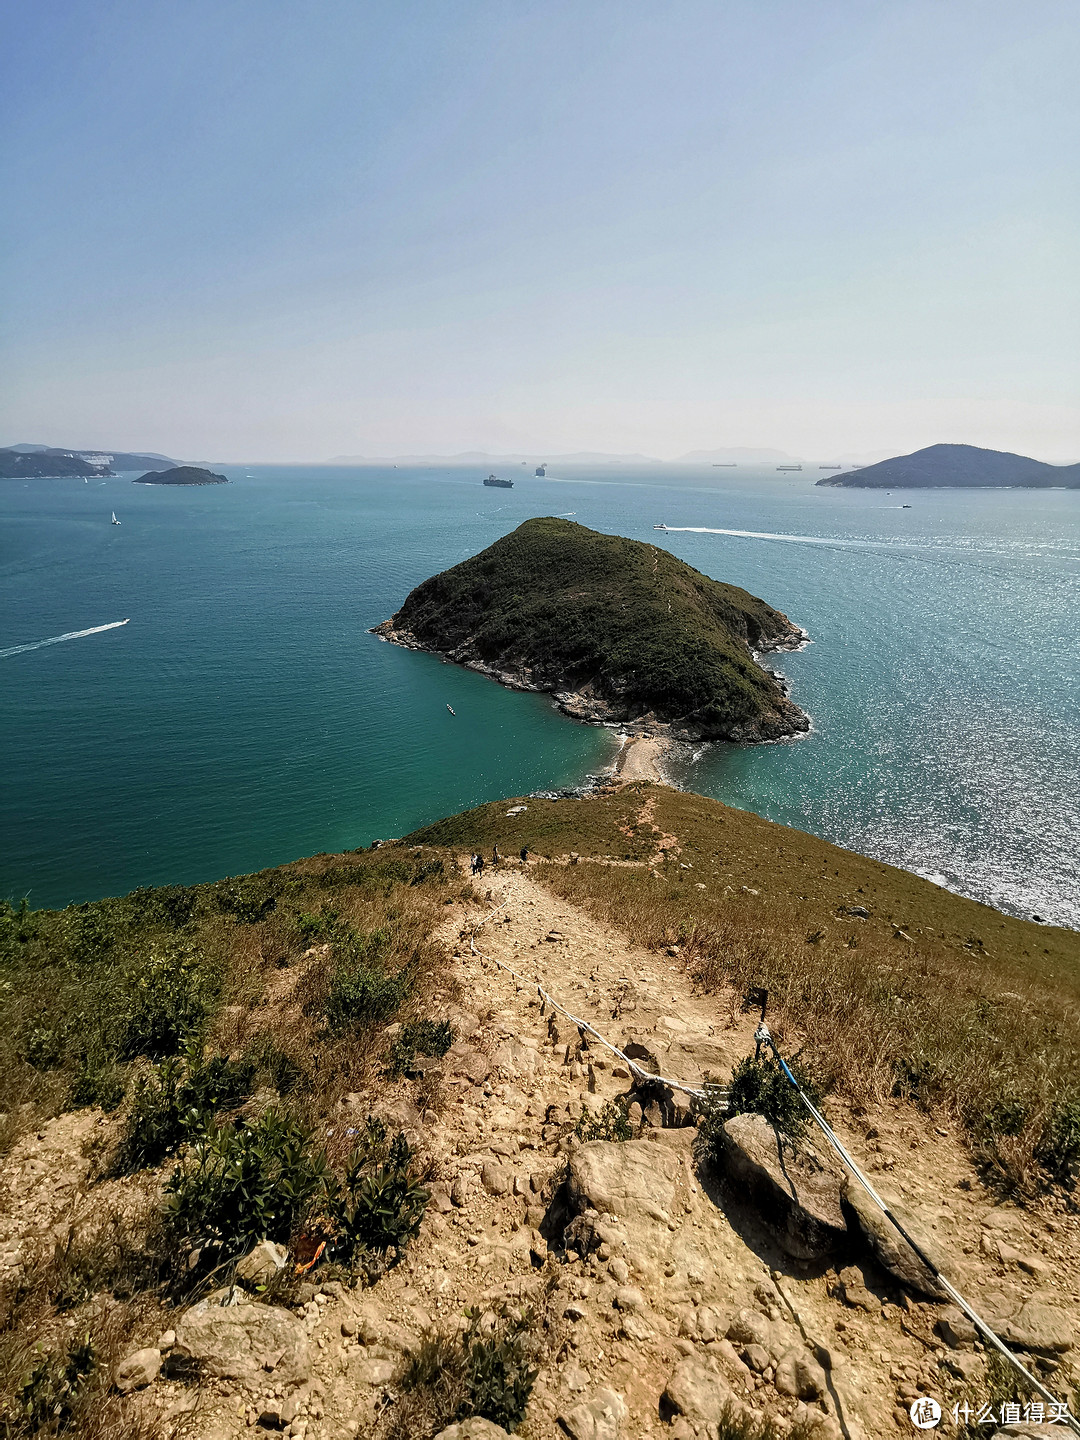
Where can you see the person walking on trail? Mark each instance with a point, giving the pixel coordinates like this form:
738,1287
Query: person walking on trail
495,854
524,854
479,864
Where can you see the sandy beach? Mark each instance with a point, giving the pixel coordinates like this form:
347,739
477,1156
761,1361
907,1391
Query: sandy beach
640,760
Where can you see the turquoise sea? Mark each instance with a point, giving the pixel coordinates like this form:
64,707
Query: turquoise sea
245,717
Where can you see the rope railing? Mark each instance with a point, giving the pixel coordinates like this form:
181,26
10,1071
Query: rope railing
763,1037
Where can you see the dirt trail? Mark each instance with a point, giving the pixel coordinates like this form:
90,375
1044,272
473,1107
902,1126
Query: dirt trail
499,1134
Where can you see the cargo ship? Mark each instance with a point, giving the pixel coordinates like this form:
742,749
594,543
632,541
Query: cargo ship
499,484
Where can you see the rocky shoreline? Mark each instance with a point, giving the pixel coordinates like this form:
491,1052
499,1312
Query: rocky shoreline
587,705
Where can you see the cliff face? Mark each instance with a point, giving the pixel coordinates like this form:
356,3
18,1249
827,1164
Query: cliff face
614,629
958,467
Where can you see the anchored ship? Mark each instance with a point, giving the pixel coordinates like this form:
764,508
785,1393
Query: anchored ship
500,484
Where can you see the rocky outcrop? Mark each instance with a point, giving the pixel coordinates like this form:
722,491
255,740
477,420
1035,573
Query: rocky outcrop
893,1252
797,1194
628,1179
241,1341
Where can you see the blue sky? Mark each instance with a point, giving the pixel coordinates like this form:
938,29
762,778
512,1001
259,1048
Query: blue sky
248,229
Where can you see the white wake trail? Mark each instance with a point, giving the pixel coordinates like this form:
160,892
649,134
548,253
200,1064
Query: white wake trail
56,639
762,535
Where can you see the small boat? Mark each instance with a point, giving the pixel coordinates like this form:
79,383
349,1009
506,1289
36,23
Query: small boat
452,711
659,527
114,519
905,507
789,467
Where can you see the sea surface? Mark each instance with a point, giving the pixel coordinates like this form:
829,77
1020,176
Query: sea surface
244,716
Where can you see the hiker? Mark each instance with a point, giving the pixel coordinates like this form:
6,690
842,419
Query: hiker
524,854
479,864
495,854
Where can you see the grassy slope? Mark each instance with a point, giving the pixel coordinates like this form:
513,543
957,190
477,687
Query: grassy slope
650,632
934,995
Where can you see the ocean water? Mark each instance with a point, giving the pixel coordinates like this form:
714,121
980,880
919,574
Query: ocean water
244,716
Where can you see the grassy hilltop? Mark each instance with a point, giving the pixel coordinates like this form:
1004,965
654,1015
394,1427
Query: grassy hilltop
617,629
223,1031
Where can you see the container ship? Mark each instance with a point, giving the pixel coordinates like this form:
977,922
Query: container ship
499,484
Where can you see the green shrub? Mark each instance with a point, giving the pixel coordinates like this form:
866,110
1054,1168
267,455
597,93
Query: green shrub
762,1088
482,1371
247,898
363,995
177,1102
240,1185
610,1124
168,999
169,906
50,1389
380,1203
96,1080
424,1037
1058,1147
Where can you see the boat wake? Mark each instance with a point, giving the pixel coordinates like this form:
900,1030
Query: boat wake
56,639
763,535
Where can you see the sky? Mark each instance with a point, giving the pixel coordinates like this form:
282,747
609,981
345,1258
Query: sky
295,229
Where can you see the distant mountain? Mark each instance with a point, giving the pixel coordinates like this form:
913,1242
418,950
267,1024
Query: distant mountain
942,467
46,465
111,460
181,475
483,457
738,454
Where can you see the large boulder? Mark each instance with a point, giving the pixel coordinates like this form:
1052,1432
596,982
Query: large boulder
698,1391
600,1418
242,1342
629,1178
796,1193
893,1252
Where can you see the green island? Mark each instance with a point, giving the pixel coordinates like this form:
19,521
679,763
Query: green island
615,629
957,467
181,475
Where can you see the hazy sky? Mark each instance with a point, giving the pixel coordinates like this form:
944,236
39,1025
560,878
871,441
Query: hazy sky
269,229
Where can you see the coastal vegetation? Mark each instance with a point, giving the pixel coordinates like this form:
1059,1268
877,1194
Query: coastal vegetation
615,628
181,475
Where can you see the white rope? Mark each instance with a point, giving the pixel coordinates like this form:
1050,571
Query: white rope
644,1076
980,1324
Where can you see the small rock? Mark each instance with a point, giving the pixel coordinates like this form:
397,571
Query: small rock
757,1357
1040,1327
799,1374
628,1297
474,1429
619,1270
496,1179
459,1192
167,1341
955,1328
600,1418
697,1392
137,1370
261,1264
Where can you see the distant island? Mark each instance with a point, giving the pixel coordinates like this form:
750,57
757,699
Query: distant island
616,630
943,467
181,475
46,462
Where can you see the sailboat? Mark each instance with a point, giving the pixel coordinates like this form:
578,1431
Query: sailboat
114,519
